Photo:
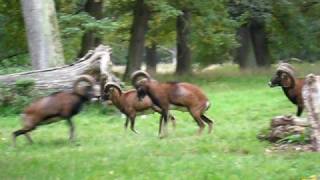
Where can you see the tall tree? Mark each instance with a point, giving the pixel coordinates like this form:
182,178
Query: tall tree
245,56
161,32
253,50
12,27
184,53
260,43
90,39
137,39
253,39
152,58
42,33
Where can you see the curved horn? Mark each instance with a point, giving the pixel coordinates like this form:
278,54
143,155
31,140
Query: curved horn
289,70
137,74
86,78
286,67
112,85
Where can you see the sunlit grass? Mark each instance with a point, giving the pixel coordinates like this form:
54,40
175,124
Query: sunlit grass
242,105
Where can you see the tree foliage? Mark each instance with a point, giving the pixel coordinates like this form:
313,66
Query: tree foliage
295,31
13,42
292,27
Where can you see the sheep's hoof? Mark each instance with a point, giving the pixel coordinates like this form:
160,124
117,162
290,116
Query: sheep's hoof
163,136
136,132
199,133
73,140
210,129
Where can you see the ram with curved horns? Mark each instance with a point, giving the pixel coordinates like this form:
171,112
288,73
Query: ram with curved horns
129,103
165,95
57,106
291,86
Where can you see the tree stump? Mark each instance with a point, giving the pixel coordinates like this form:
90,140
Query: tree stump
311,96
282,127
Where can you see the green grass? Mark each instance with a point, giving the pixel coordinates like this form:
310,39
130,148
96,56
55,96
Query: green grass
242,105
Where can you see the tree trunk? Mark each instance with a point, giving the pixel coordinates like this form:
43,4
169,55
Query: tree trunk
245,53
253,51
43,33
311,93
96,63
282,127
138,30
260,44
152,59
245,56
184,53
89,39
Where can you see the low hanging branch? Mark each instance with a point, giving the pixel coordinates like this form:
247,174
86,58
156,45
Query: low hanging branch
311,95
96,63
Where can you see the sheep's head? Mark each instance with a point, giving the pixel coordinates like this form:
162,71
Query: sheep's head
85,86
108,89
283,76
140,80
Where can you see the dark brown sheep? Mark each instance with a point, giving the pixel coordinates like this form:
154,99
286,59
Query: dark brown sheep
57,106
291,86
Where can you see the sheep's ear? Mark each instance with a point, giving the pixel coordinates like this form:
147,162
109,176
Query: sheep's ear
285,80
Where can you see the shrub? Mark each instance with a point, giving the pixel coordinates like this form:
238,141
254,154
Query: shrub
14,98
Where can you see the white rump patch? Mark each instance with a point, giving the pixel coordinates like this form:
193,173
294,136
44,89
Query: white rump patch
207,105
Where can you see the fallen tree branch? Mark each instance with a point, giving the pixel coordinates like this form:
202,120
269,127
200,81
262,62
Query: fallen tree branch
96,63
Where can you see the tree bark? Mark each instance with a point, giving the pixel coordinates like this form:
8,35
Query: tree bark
253,51
245,56
311,93
260,44
137,39
43,33
184,53
96,63
152,59
89,39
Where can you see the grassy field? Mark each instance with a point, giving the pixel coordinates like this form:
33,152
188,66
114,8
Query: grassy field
242,105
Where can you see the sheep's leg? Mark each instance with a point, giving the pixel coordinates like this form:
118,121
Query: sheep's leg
208,121
20,132
160,125
72,130
173,121
28,138
126,123
164,123
158,110
132,122
300,110
197,117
